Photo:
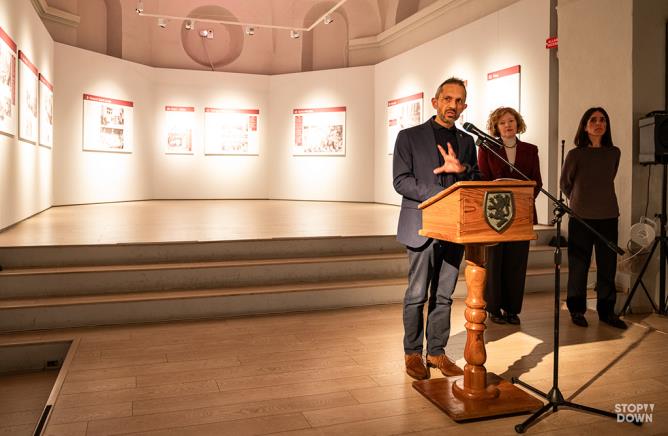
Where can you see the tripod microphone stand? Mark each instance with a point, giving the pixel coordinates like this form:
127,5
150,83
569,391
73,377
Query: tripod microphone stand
662,242
554,397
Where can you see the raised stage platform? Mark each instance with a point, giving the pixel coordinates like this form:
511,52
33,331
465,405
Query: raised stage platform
146,261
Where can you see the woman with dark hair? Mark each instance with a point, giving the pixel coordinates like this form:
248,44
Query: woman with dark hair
507,261
588,180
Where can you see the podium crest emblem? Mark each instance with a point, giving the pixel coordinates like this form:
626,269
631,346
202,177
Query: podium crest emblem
499,210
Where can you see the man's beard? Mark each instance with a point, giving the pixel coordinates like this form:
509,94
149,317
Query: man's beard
447,121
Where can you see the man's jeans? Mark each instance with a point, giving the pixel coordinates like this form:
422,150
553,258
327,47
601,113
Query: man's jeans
432,276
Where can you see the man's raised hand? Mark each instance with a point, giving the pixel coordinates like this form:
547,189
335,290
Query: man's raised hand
450,162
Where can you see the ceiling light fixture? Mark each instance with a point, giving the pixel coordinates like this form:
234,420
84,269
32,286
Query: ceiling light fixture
250,31
293,30
162,22
189,24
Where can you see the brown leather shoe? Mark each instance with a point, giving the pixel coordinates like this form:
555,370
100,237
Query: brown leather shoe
415,366
447,366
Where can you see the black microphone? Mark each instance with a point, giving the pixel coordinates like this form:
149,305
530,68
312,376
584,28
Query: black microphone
479,133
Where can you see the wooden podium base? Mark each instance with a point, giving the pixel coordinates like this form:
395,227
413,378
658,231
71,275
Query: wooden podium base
511,399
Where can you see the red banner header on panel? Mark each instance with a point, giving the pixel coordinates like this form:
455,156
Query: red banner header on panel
179,108
320,109
405,99
108,100
27,62
46,82
8,39
236,111
505,72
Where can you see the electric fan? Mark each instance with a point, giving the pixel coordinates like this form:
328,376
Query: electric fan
641,237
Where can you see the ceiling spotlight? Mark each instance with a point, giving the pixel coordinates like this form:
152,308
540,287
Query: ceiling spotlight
189,24
140,7
162,22
294,34
250,31
328,19
208,34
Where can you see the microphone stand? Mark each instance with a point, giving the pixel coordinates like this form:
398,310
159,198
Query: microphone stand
561,241
554,397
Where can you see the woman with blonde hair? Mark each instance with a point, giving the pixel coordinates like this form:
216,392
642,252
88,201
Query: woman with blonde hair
507,261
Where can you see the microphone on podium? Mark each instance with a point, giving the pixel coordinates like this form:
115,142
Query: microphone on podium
480,134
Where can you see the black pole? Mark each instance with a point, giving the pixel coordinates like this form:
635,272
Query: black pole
563,144
662,248
557,287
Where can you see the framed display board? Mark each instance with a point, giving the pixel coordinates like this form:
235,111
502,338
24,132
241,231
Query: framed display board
503,89
107,124
231,131
45,112
402,113
179,122
319,131
28,105
8,52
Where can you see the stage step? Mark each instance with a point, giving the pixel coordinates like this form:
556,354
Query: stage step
192,251
59,287
86,310
90,280
17,314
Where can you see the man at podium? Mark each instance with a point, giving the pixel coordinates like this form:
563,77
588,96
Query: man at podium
427,159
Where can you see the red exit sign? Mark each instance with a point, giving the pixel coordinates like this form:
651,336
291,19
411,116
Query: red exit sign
552,42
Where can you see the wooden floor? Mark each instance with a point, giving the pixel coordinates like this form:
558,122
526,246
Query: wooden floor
22,400
200,220
339,372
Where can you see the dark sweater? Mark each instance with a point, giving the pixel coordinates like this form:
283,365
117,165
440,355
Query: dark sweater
588,180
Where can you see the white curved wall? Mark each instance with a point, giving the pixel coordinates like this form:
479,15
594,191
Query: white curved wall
335,178
25,168
88,176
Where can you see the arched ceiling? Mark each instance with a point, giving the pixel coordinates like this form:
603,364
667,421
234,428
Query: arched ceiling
113,27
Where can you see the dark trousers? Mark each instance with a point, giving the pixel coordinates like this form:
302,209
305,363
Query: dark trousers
506,275
580,244
432,276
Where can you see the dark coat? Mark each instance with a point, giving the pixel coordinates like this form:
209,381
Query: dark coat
526,160
415,158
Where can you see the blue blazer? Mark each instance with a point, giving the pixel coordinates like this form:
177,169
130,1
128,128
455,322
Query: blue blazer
415,158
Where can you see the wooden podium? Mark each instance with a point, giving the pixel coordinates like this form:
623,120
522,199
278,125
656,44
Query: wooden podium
478,214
